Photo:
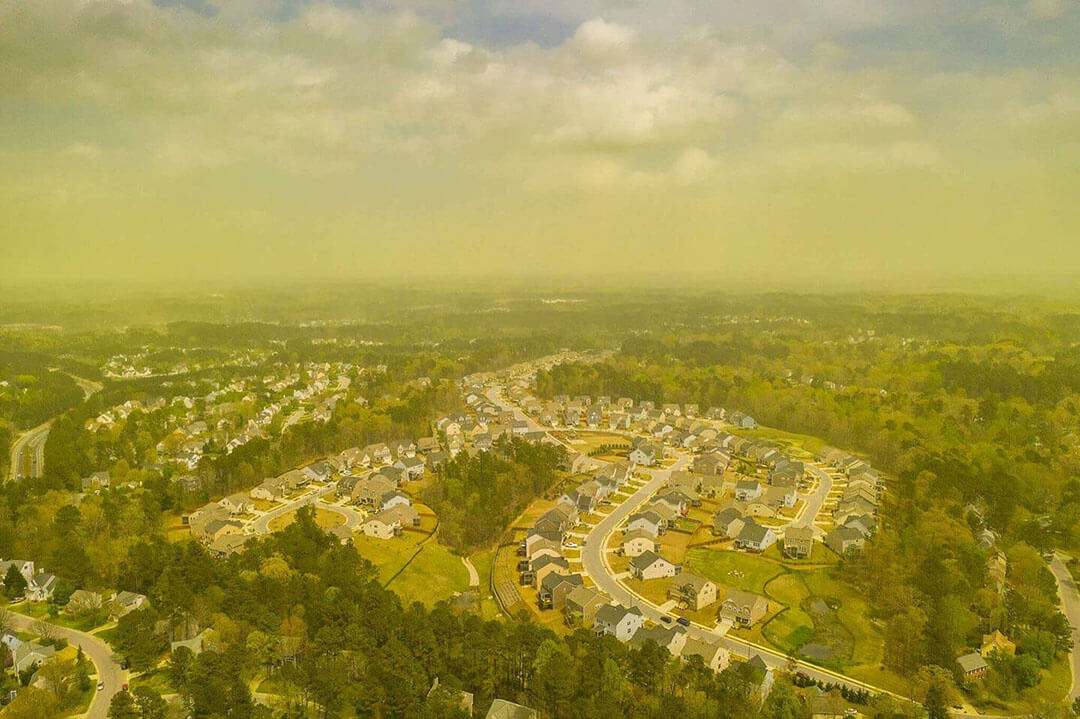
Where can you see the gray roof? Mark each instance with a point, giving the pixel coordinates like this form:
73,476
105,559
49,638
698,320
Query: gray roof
646,559
612,614
502,709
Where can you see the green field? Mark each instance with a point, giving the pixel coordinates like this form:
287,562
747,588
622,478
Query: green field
717,565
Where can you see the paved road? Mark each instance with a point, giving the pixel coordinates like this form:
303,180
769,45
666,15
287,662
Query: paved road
353,518
108,668
33,442
815,500
1070,601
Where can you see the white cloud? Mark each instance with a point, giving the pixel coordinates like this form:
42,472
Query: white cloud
692,166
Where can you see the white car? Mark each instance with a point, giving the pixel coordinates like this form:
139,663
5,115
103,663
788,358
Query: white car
101,686
571,545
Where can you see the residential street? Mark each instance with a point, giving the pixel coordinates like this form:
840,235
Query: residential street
108,668
1070,600
261,525
815,500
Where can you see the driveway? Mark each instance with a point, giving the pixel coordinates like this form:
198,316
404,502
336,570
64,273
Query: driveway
108,669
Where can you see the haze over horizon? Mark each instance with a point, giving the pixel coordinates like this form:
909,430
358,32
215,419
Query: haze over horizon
834,143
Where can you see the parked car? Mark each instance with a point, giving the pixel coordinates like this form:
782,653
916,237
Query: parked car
665,619
571,545
683,621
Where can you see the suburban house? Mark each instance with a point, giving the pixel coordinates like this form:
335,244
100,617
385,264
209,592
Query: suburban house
318,471
714,463
537,541
618,621
744,608
972,665
648,521
555,588
502,709
650,565
541,567
712,654
83,600
394,498
675,500
270,489
227,544
41,586
238,503
638,541
728,522
124,602
780,497
762,676
377,453
390,523
370,491
692,590
754,537
646,454
798,542
582,604
747,490
29,656
671,638
995,641
844,539
412,466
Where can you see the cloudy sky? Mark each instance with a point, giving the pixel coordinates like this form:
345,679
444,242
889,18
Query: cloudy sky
810,140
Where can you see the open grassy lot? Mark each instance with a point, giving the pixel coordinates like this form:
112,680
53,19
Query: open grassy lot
325,518
435,574
655,590
801,446
732,569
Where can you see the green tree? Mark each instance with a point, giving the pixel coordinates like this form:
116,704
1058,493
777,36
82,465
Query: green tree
123,706
14,582
150,703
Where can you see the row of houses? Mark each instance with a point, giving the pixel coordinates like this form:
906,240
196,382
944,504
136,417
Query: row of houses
855,516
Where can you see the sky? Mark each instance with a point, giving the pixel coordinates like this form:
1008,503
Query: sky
808,143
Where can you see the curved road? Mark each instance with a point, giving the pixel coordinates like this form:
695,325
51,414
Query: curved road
261,525
1070,601
34,439
108,669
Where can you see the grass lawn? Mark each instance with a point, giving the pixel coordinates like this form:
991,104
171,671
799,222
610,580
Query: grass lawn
718,566
482,560
323,517
594,440
802,446
434,575
655,590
